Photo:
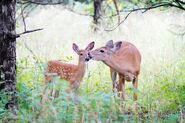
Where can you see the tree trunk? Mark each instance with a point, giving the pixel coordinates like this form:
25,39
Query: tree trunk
8,51
97,13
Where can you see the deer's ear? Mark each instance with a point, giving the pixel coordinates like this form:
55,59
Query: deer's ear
109,44
75,48
117,46
90,46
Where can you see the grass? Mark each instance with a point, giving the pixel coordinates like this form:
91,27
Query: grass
161,100
161,82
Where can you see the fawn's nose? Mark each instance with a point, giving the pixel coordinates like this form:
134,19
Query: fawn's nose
87,59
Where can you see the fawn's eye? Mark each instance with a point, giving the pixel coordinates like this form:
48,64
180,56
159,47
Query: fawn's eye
102,51
81,54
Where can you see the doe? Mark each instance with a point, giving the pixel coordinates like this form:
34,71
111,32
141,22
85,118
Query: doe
124,59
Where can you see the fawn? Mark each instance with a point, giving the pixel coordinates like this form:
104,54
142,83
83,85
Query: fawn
69,72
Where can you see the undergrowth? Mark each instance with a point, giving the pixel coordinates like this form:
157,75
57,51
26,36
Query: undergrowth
161,98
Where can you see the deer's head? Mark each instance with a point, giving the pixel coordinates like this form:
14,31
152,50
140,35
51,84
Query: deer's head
102,53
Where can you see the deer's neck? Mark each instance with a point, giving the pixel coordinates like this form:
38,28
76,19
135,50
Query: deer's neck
107,61
111,62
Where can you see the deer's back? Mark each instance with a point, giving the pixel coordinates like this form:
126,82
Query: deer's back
128,57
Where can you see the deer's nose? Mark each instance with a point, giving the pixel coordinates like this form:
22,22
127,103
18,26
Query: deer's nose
89,55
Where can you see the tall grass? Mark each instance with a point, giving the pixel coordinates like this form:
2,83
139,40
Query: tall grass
161,82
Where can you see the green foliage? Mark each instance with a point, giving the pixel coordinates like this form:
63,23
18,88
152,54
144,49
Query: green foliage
161,101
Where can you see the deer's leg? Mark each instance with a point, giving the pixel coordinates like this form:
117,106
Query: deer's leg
135,85
113,77
121,87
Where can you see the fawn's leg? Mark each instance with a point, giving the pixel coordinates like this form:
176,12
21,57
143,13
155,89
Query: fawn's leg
75,87
48,78
43,95
55,90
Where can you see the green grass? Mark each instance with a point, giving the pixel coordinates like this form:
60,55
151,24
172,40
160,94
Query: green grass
161,98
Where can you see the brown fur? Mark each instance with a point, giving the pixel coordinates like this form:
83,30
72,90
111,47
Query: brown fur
125,59
69,72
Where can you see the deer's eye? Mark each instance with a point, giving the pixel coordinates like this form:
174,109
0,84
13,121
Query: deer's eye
81,54
102,51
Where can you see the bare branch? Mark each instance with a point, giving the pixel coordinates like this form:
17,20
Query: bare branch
22,14
49,3
157,5
39,3
30,10
177,30
24,22
31,51
117,10
182,2
29,31
108,30
84,14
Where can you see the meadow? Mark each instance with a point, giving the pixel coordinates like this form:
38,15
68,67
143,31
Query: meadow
161,82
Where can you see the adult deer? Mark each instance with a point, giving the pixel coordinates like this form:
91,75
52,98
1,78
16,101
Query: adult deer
123,58
69,72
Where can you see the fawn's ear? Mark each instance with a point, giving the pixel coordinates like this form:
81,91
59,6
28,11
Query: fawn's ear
75,48
90,46
117,46
109,44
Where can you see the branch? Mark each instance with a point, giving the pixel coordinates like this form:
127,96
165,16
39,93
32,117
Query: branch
182,2
179,4
37,60
29,31
31,51
179,32
157,5
84,14
39,3
24,22
69,9
30,10
23,18
117,10
108,30
26,6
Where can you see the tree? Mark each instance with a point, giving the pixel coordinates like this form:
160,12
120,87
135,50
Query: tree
97,13
8,51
